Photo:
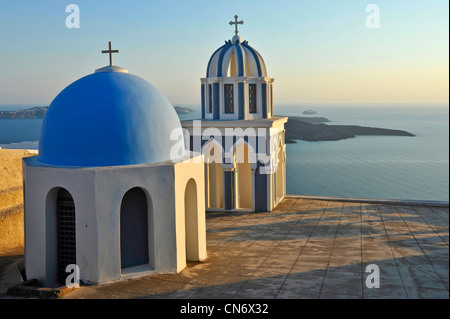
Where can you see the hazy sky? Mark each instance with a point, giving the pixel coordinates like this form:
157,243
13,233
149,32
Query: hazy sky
317,50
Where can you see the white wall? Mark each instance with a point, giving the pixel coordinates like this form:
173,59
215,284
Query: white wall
97,194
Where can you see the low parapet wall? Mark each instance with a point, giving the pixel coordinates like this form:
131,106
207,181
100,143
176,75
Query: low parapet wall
11,228
11,198
375,200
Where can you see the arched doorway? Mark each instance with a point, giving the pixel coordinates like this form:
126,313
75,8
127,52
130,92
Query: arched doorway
243,176
214,178
134,247
65,234
191,220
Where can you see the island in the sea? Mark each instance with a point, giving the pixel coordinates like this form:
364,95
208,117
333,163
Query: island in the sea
38,112
313,129
297,128
309,112
183,110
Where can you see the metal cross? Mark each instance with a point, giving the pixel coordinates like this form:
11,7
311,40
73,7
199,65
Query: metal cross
236,22
110,51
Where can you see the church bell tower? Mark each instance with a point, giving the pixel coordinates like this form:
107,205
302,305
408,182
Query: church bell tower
241,140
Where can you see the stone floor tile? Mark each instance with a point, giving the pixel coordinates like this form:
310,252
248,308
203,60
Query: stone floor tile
308,249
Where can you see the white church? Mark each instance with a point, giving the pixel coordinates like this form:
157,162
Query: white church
245,170
108,193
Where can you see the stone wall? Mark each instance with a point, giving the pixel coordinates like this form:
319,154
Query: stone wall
11,198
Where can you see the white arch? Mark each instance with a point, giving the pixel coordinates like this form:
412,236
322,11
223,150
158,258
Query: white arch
136,251
213,174
212,144
244,177
55,271
240,157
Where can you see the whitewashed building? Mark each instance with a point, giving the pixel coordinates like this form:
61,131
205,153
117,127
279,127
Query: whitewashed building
104,193
241,139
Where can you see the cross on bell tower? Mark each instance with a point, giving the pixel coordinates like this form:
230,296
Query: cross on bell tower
236,22
110,51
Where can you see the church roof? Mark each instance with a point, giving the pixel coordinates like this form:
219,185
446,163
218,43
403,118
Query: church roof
108,118
236,58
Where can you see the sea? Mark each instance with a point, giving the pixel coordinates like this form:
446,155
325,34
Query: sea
388,167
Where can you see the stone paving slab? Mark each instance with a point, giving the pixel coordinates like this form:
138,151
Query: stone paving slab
308,249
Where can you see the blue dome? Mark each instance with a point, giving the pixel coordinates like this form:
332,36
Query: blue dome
236,58
108,119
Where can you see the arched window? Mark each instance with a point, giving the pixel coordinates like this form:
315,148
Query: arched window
252,98
229,98
65,233
210,98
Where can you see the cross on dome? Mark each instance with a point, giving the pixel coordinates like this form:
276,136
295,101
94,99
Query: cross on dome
236,23
110,51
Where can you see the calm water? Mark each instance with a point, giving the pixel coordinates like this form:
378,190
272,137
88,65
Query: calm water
365,166
375,166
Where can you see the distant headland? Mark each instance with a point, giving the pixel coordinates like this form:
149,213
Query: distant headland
313,129
38,112
310,129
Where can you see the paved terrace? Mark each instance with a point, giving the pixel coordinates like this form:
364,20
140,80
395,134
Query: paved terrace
309,248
